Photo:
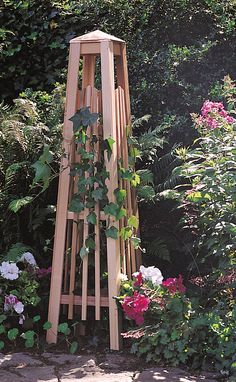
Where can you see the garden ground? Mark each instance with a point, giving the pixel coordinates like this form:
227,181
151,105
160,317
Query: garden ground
58,367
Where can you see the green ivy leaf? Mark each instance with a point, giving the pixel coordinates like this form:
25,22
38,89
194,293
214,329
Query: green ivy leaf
76,204
90,243
47,325
2,329
133,221
83,117
73,347
135,181
111,209
1,345
84,252
97,194
126,232
112,232
120,195
92,218
121,213
17,204
12,334
136,241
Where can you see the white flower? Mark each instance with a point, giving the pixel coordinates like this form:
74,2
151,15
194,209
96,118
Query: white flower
28,258
19,307
152,274
21,319
123,277
9,271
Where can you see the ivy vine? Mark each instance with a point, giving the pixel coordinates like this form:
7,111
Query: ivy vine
92,175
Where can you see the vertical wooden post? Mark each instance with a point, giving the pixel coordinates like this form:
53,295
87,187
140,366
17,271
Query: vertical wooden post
109,130
63,194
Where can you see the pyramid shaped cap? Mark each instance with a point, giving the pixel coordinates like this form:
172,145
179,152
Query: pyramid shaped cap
96,36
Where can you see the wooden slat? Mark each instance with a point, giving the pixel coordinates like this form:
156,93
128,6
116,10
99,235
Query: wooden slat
63,194
109,130
86,227
73,215
104,301
95,109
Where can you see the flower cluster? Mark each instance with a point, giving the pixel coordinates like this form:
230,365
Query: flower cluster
135,306
212,114
175,284
145,290
13,281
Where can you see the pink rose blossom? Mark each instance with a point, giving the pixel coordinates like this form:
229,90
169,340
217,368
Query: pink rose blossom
135,306
175,284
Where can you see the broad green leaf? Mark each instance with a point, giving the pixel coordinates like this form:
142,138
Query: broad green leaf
111,209
1,345
29,343
3,317
112,232
36,318
12,334
2,329
97,194
76,205
17,204
29,335
47,155
92,218
110,142
84,252
47,325
135,180
83,117
146,176
146,192
126,232
120,195
73,347
120,213
90,243
42,174
133,221
64,328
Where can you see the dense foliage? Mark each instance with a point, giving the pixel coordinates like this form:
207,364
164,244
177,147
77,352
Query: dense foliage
27,130
173,328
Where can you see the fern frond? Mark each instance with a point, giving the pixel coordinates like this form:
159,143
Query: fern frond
159,249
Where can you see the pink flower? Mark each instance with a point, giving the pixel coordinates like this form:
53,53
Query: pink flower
138,279
211,111
12,302
135,306
174,284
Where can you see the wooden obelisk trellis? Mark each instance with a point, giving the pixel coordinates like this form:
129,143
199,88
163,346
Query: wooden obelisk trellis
72,229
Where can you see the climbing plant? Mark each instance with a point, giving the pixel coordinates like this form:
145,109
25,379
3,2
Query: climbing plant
92,178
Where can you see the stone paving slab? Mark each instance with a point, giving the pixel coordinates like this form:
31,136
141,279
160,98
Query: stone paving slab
112,367
168,375
17,359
